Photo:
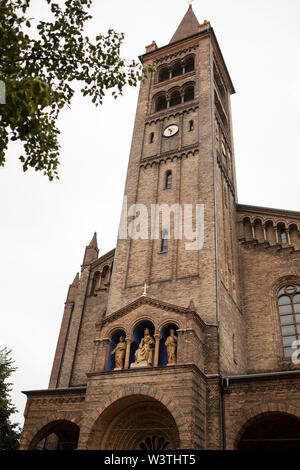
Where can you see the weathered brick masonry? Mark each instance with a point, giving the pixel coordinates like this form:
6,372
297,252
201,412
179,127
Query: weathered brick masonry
234,304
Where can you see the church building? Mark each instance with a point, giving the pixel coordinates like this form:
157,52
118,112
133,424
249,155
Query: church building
169,341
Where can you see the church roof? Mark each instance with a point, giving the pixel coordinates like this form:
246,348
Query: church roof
188,26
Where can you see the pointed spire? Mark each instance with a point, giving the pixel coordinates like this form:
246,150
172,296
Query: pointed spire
91,252
72,292
188,26
93,243
75,283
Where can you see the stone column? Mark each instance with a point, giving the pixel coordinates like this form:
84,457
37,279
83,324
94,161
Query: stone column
181,346
265,232
253,230
95,354
288,236
182,97
127,354
103,354
156,351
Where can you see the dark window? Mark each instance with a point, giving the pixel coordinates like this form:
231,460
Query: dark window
283,236
168,180
163,75
189,93
191,125
190,65
164,242
161,103
151,139
154,443
95,282
177,70
289,313
175,98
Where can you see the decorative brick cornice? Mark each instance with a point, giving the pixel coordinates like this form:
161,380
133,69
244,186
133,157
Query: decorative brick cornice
103,258
169,112
184,152
154,303
161,369
267,211
177,53
56,391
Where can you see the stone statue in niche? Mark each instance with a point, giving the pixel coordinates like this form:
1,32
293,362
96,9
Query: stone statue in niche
144,353
171,345
119,353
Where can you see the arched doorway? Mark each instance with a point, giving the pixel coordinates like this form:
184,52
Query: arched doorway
57,435
136,422
271,431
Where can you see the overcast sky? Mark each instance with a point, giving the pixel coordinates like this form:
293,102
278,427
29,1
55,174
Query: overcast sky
46,226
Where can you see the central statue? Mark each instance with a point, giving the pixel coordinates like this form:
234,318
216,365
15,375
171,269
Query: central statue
144,353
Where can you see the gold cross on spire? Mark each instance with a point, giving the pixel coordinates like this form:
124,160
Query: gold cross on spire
190,2
145,290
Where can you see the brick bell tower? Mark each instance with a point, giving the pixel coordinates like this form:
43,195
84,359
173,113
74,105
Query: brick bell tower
182,154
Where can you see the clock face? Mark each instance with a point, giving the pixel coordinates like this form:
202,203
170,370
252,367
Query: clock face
171,130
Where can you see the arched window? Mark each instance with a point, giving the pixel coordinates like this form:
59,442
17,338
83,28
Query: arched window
154,443
190,65
164,242
191,126
95,282
289,313
163,75
168,180
189,93
175,98
151,138
283,236
161,103
177,70
105,276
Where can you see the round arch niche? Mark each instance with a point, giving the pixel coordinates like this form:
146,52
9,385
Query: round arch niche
114,340
165,333
133,423
271,431
138,334
57,435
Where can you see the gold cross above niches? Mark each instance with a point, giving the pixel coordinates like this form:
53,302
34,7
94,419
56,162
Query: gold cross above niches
145,290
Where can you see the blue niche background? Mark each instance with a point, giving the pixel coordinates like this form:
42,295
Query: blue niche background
138,334
113,343
165,332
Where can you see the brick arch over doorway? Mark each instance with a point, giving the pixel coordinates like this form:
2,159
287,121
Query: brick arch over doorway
30,437
125,396
240,426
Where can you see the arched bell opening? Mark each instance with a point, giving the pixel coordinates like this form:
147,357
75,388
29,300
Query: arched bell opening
138,334
165,333
115,339
57,435
136,422
271,431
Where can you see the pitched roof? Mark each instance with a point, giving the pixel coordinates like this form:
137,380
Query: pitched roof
188,26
